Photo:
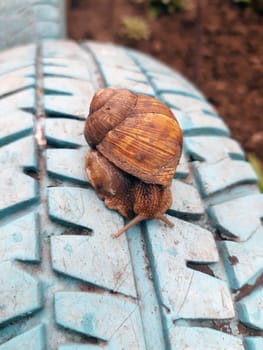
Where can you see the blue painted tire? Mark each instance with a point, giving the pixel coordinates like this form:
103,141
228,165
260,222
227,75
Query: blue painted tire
65,283
27,21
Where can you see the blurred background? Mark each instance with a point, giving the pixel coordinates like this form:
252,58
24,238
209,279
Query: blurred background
217,44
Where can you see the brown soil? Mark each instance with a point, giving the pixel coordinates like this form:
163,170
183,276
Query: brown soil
217,45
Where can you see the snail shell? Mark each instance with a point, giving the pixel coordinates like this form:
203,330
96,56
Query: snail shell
137,144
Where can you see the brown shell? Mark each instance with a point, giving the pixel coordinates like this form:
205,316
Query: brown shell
107,109
137,133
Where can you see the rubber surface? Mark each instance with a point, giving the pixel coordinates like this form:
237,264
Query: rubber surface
26,21
65,283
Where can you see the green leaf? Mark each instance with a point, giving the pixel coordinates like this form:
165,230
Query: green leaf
257,165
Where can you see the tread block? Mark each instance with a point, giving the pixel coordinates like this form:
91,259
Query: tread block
114,55
184,291
244,260
173,84
15,124
187,104
117,76
31,340
67,164
254,343
21,153
213,148
119,70
250,309
65,132
85,259
10,67
116,320
199,338
149,63
199,123
136,82
20,240
182,169
20,293
21,100
68,106
238,218
70,86
186,201
18,54
98,259
17,57
28,71
17,191
63,49
223,174
70,68
13,83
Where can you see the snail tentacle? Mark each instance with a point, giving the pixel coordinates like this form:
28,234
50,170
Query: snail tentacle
133,222
165,220
140,218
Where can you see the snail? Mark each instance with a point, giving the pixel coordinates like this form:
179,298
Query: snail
136,144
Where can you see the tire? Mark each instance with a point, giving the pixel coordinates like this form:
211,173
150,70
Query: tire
65,283
27,21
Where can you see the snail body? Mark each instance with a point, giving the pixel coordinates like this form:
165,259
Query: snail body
136,145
